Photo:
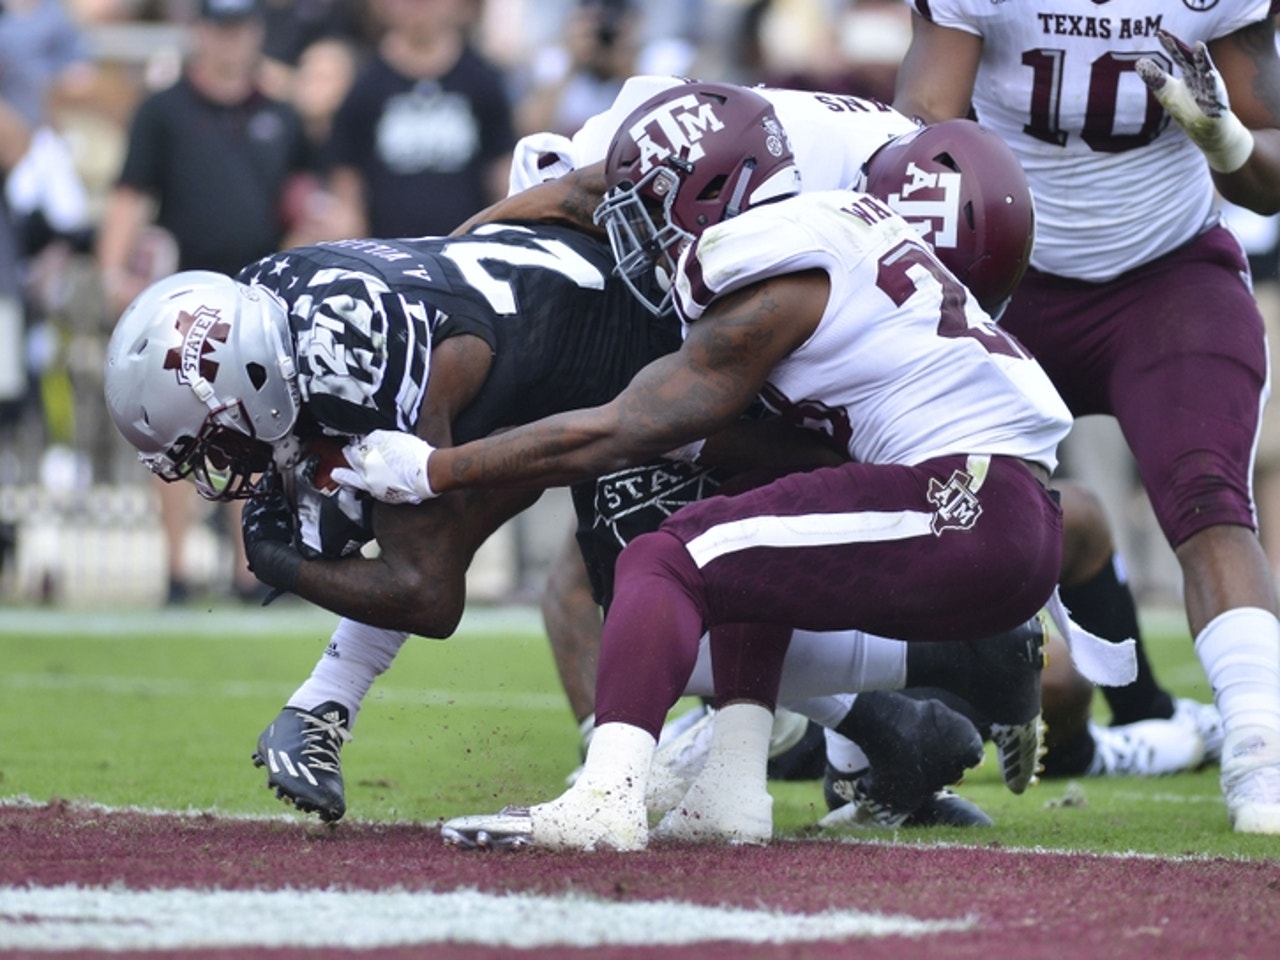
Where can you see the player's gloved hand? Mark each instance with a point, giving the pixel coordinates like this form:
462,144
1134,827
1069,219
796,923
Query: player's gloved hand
389,465
267,524
1198,102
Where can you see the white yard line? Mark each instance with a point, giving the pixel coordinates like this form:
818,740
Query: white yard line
78,918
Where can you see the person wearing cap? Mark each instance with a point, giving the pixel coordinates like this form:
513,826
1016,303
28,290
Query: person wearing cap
213,156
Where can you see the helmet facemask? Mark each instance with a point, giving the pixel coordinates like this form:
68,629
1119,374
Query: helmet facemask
222,461
644,246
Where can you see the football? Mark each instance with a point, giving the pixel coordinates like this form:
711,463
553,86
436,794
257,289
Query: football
333,521
327,454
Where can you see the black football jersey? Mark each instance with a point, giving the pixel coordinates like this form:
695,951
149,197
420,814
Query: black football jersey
564,332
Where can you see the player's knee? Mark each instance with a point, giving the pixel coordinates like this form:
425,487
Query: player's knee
1087,542
431,608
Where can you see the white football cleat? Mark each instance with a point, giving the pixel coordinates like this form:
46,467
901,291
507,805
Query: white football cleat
708,814
1146,748
729,802
509,828
1251,779
1205,720
580,819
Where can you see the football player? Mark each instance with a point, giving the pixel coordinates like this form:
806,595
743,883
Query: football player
1130,124
833,310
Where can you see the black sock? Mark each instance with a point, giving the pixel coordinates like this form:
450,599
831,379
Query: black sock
1104,605
1070,759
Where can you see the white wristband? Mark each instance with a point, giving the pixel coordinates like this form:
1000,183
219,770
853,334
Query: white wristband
1230,147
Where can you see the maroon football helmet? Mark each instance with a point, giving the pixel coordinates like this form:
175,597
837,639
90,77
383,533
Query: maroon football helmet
961,186
699,153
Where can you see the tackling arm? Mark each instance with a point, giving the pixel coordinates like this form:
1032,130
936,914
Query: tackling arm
678,398
572,199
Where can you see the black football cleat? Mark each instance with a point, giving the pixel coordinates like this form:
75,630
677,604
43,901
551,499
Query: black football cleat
999,678
915,748
300,751
1005,688
946,808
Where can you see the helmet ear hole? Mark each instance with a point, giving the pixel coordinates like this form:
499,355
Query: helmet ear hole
713,188
257,374
948,161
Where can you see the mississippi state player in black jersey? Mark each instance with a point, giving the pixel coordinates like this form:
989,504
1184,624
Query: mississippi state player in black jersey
219,381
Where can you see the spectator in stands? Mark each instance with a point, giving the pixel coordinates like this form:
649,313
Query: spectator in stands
424,137
215,157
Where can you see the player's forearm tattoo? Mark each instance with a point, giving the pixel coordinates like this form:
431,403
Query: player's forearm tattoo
584,195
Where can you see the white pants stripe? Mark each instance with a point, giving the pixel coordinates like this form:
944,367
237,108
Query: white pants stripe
808,530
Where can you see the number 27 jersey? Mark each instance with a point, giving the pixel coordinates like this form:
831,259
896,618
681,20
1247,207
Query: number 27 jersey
903,366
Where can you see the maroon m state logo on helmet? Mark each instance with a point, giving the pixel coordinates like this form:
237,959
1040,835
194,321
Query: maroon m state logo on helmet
191,358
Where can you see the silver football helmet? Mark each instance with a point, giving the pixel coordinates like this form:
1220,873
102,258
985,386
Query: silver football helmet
200,378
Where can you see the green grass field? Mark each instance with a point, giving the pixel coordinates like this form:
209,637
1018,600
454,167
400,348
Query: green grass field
162,709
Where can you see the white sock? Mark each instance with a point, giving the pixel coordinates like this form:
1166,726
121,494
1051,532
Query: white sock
843,754
740,744
1240,651
618,759
356,656
824,711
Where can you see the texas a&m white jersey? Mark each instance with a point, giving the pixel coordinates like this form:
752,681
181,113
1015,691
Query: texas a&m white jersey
1116,181
831,134
903,367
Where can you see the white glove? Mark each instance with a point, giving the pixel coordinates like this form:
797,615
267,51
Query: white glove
1198,102
389,465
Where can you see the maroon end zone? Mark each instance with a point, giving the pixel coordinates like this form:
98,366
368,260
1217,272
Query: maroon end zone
1027,905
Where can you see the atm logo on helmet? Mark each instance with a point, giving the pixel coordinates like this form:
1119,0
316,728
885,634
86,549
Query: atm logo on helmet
930,202
191,359
674,129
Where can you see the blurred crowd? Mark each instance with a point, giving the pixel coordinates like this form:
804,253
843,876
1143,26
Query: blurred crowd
141,137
